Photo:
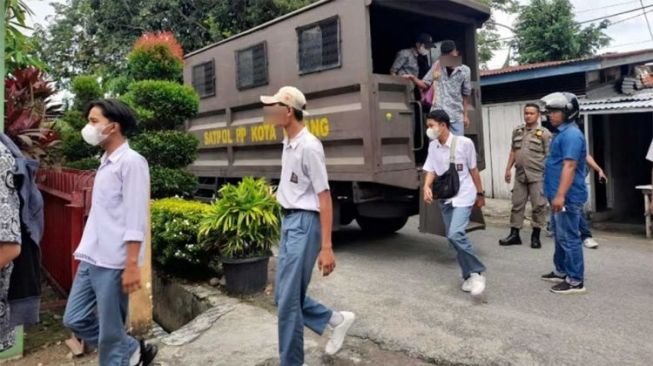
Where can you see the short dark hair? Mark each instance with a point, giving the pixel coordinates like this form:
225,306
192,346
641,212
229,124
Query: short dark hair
439,115
533,105
447,46
424,38
299,115
115,111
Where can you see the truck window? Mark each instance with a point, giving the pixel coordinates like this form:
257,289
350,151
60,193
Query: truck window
319,46
204,79
252,66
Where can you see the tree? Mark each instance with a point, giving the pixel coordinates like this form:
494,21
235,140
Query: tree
94,37
488,38
546,31
19,48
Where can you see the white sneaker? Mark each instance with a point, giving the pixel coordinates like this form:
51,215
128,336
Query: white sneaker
590,243
338,336
467,285
477,284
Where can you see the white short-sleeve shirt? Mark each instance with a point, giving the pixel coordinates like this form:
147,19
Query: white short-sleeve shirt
303,173
437,161
649,155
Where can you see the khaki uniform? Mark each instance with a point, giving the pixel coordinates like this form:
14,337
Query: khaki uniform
531,147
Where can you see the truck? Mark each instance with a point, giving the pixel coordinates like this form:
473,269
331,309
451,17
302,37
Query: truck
339,53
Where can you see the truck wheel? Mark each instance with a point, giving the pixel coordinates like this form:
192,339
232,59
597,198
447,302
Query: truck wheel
381,226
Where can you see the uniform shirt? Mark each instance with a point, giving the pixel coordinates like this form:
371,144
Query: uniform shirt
437,161
450,90
121,193
531,146
303,173
406,63
9,233
649,155
567,144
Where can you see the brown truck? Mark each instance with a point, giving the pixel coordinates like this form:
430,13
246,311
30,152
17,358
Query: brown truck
339,53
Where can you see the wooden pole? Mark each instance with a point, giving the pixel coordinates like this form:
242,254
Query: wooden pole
140,302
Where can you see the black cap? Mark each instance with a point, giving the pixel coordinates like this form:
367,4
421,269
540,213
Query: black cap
447,46
424,38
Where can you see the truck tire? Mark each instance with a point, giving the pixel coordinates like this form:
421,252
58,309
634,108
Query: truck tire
381,226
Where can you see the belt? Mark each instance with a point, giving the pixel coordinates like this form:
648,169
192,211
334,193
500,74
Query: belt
290,211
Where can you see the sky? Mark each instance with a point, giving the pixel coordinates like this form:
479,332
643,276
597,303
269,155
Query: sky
628,35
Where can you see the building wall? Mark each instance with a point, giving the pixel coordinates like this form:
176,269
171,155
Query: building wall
498,122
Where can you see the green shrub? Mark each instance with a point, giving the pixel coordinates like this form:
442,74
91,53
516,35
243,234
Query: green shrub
86,89
84,164
118,85
155,63
167,182
156,56
175,248
161,105
170,149
245,221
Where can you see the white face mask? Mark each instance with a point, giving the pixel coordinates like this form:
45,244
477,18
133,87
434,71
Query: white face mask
433,133
93,135
423,51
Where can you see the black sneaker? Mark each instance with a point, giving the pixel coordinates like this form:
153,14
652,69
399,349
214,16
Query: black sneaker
552,277
566,289
148,352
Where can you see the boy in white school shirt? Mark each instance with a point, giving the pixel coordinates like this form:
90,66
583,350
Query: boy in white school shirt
305,196
111,249
456,210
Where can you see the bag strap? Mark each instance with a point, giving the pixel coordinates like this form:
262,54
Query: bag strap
452,151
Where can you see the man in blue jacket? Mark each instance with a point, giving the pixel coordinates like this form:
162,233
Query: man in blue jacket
564,187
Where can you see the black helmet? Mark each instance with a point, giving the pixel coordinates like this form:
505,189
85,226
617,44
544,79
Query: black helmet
562,101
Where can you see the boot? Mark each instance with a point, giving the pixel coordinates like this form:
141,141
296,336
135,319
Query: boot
512,239
535,238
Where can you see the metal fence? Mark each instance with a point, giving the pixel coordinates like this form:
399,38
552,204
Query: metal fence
67,196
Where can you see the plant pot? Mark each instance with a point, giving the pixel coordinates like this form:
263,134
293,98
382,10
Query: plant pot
245,276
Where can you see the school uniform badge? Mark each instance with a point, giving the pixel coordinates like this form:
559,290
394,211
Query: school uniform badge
294,178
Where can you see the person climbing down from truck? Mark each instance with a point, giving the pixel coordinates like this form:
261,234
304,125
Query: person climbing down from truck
414,60
305,196
451,83
457,207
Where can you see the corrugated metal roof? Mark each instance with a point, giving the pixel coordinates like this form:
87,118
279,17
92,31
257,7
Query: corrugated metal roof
642,100
538,65
542,65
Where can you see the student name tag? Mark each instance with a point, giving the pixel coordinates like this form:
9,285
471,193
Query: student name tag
459,167
294,178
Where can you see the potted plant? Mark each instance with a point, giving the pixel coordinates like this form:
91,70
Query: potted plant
244,224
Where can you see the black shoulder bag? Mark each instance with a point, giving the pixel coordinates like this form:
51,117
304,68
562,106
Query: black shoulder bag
448,184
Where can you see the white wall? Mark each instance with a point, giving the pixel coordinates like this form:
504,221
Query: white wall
498,122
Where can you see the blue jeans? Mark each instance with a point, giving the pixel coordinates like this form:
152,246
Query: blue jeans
457,128
96,313
568,255
584,228
456,220
298,251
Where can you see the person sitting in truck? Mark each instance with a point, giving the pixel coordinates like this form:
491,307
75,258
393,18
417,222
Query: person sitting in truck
414,60
452,82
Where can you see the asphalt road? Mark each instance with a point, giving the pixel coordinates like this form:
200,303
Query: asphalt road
406,292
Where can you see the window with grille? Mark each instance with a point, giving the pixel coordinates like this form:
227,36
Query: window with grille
252,67
204,79
319,46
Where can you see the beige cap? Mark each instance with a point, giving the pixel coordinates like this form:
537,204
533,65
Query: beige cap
288,95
